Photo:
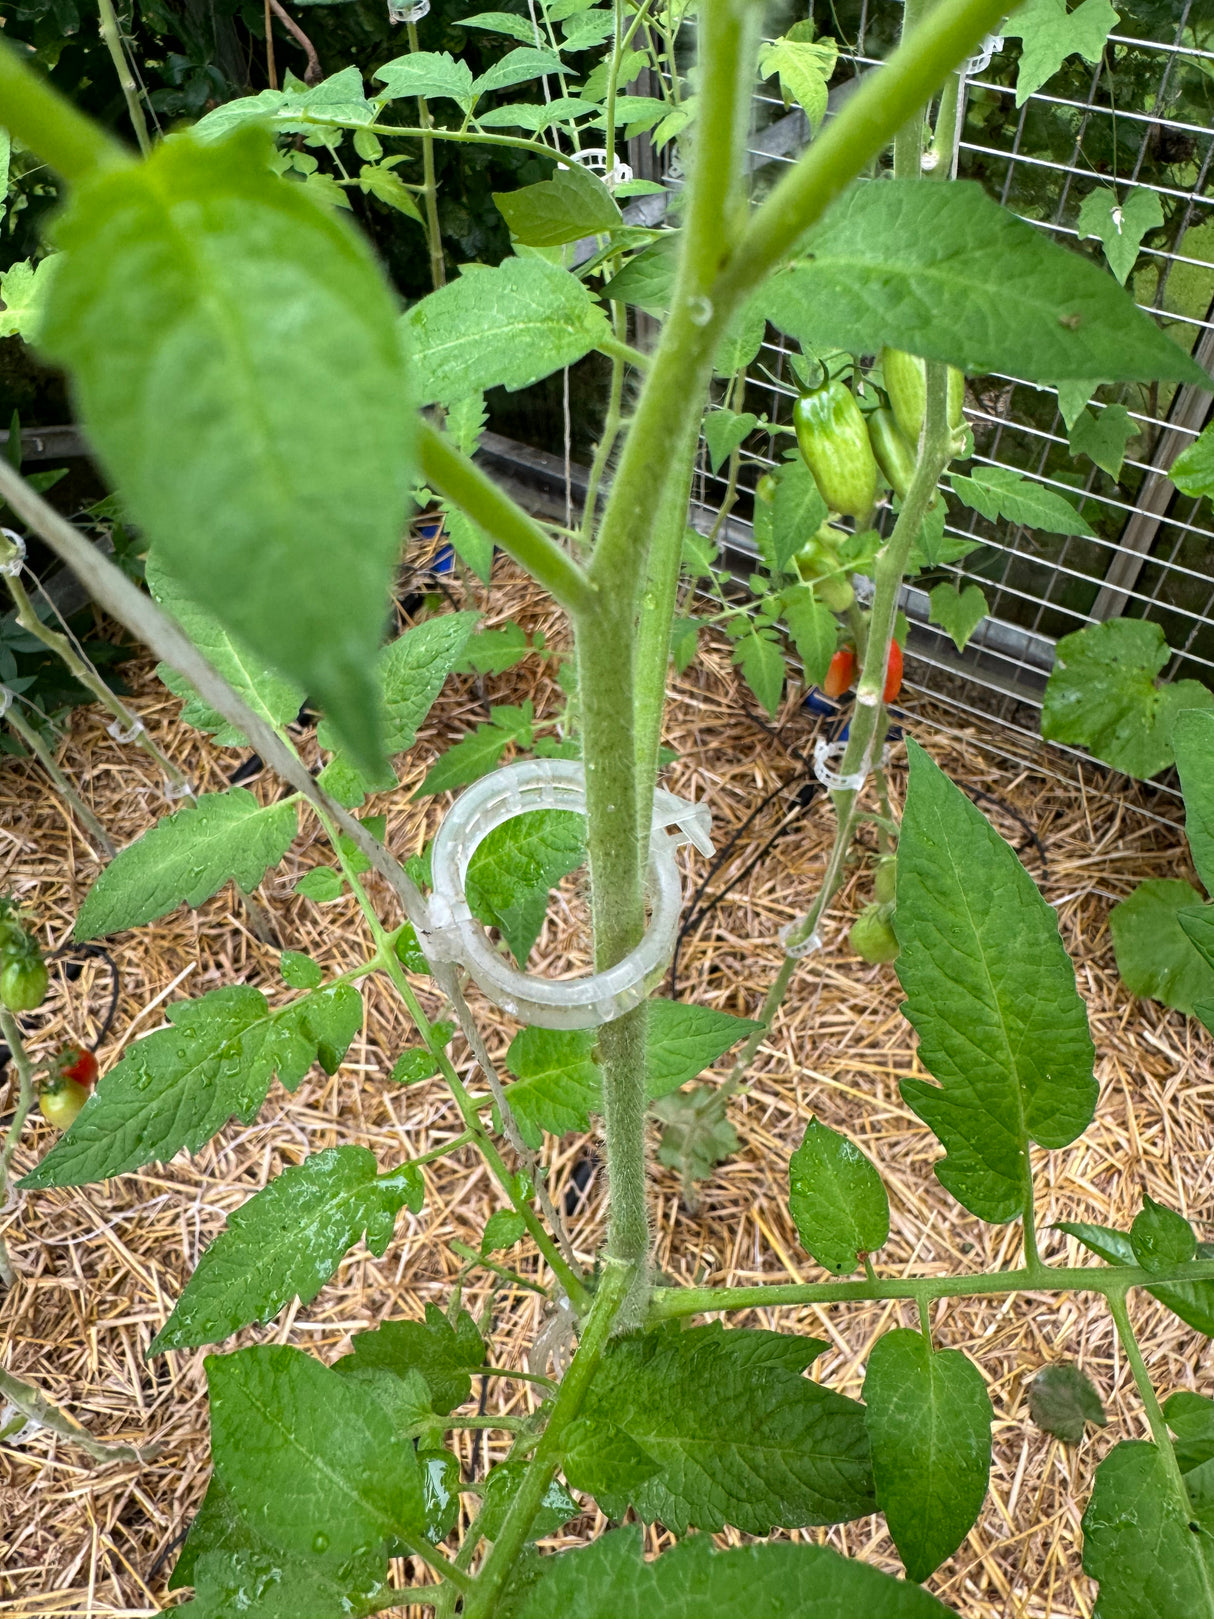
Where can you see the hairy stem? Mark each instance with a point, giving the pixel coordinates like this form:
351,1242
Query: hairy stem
112,35
434,235
33,741
39,1409
673,1303
614,1284
462,482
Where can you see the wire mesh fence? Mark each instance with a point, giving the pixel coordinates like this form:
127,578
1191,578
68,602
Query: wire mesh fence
1137,120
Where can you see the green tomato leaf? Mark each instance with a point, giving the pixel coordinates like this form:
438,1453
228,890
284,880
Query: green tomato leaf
724,431
1156,957
267,1584
432,74
958,612
1062,1402
762,662
299,971
693,1580
1191,1419
797,513
1161,1238
1102,696
1193,740
573,204
480,751
472,545
505,327
998,492
503,1229
24,288
516,67
1103,438
929,1422
188,856
444,1355
731,1430
492,652
1050,33
321,885
886,259
274,482
504,22
742,338
837,1200
307,1455
684,1040
991,993
535,116
515,868
1137,1543
1193,469
805,68
339,97
1193,1302
647,281
175,1087
813,628
287,1241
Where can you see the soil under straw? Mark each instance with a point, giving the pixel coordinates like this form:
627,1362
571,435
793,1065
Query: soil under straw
99,1267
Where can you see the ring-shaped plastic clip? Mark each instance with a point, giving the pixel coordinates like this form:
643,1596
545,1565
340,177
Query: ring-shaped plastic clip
812,942
125,733
824,751
413,13
454,934
11,565
6,701
595,159
981,60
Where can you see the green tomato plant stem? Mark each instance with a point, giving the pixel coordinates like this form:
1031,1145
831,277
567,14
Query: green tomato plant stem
674,1303
49,124
80,668
458,478
434,235
27,1095
908,142
112,35
30,735
614,1284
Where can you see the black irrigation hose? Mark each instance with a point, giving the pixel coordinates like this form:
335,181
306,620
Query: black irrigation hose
70,952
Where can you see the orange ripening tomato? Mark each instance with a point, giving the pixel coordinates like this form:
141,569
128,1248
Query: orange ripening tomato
893,673
841,673
76,1063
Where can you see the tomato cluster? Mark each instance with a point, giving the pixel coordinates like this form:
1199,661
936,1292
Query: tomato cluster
23,975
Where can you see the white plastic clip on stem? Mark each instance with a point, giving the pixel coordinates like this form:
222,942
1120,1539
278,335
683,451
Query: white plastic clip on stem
451,932
12,554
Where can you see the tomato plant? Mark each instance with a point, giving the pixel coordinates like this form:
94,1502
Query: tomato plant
270,418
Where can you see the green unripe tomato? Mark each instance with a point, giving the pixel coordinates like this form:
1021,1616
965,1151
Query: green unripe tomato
871,936
835,592
834,445
765,489
894,455
885,881
23,983
905,378
60,1101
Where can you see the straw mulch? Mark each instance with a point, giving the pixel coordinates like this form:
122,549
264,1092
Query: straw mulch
100,1267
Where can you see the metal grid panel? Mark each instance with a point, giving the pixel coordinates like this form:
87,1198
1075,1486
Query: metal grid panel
1150,105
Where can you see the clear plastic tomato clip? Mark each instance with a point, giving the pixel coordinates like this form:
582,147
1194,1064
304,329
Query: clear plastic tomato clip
450,932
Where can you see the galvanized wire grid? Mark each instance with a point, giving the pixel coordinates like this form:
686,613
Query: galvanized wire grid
1149,103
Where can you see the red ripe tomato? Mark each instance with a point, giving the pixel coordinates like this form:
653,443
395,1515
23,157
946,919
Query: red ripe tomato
76,1063
893,673
841,673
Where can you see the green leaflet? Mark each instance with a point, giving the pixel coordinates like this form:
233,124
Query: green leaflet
276,700
837,1199
610,1579
443,1355
1193,1302
287,1241
1102,696
797,513
929,1423
1193,740
761,659
174,1088
1103,438
1138,1545
573,204
515,867
1193,469
558,1085
1050,33
724,431
307,1456
501,1487
998,492
480,750
427,73
991,993
340,96
266,1585
411,671
1156,956
814,630
1191,1419
958,612
218,321
504,327
188,856
704,1427
1161,1238
887,258
1062,1402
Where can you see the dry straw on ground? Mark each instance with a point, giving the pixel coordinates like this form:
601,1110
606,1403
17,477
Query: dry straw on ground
99,1267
